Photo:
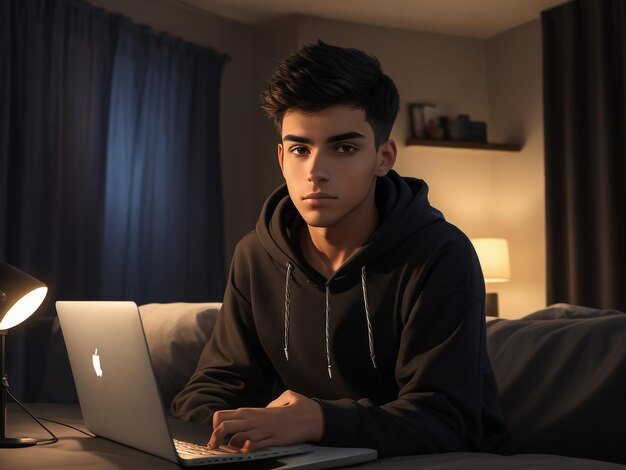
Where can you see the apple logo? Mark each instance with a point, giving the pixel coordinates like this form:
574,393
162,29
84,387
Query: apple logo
95,359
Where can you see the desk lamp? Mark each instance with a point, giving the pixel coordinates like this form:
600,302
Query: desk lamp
20,296
493,254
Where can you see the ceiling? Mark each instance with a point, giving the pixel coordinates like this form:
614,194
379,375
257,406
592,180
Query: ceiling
469,18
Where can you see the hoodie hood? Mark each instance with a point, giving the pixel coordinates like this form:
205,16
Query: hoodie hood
403,209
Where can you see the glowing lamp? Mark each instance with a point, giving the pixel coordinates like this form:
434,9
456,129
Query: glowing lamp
20,296
493,254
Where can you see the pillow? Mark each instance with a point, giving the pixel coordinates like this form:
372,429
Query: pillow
562,383
176,334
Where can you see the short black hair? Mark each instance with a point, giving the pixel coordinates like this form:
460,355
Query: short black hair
321,75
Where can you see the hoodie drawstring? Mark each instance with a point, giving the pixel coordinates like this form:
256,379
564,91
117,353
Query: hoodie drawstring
287,302
370,334
330,372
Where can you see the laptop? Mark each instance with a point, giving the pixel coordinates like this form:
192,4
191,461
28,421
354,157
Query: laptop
120,401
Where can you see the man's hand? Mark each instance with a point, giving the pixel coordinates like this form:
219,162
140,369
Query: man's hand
290,419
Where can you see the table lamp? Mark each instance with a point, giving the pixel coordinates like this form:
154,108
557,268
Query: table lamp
493,254
20,296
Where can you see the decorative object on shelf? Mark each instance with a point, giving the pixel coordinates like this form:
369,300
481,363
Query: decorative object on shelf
493,254
471,131
20,296
420,116
444,126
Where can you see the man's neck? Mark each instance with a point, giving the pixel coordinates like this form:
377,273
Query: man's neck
327,249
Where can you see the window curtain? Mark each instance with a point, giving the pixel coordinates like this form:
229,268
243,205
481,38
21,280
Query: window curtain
584,62
110,184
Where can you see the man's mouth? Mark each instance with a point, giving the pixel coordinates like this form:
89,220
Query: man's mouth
319,195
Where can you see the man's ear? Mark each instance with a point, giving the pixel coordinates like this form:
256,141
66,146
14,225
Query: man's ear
387,154
280,156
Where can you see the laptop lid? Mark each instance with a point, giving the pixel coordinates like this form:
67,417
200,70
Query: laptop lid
113,374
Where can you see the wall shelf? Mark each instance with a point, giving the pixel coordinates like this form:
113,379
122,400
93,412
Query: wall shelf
458,144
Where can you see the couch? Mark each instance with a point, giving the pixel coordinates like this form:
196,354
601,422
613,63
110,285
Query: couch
561,373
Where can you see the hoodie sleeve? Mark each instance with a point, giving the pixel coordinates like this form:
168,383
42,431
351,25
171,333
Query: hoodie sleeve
233,370
440,368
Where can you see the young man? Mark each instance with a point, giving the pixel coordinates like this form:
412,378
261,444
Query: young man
353,314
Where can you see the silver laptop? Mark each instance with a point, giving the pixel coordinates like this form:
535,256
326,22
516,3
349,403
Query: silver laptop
119,398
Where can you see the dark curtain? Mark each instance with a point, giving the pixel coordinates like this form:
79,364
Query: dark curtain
584,62
110,183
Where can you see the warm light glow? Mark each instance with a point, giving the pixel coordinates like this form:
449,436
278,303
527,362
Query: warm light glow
23,308
493,254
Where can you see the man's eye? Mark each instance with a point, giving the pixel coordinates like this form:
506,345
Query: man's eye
299,150
345,148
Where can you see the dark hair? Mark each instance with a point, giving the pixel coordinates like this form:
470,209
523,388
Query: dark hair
320,75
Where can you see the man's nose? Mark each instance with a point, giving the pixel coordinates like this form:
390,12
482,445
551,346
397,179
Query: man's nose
318,168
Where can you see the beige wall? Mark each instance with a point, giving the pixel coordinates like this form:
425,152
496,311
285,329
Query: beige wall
274,40
518,208
497,80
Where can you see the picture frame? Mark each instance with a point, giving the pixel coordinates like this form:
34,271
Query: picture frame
419,115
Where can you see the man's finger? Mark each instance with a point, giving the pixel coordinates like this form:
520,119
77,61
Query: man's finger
243,439
228,415
222,415
251,446
226,428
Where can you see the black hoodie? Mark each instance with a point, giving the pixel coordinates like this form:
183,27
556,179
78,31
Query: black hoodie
392,346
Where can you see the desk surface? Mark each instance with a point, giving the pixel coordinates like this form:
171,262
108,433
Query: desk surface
75,450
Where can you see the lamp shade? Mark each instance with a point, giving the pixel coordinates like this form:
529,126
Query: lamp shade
493,254
20,296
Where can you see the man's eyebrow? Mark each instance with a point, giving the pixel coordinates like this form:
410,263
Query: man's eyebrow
296,138
346,136
331,139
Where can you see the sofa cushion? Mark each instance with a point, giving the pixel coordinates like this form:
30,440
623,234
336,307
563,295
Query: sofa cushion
562,310
176,334
561,373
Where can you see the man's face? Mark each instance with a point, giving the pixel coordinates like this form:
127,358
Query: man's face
330,163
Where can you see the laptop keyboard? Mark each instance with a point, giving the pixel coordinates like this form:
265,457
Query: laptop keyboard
189,448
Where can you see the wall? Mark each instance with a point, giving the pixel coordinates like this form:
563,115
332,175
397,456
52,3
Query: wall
274,40
518,210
